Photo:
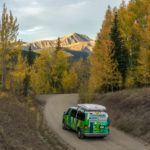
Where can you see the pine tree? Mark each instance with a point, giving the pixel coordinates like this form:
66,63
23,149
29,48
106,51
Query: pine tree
58,45
26,84
8,37
26,81
30,57
119,49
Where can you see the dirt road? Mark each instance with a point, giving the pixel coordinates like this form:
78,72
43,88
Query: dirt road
54,108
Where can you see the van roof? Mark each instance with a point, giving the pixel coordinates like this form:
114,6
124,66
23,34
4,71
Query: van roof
92,107
73,107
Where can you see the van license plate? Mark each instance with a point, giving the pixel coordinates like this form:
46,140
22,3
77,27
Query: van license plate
102,127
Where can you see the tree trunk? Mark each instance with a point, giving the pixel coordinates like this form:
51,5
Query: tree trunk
3,73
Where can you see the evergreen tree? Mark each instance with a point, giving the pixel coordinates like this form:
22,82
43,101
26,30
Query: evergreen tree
26,84
30,57
121,55
30,62
58,46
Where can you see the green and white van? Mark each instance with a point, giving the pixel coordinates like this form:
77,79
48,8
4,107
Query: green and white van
88,120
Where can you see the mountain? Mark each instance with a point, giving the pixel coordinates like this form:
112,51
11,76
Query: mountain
74,41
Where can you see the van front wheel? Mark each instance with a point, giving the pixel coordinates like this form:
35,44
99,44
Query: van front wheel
80,135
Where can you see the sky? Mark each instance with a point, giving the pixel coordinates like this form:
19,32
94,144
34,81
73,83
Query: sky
49,19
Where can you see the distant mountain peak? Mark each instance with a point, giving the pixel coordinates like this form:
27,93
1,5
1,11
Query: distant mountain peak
74,41
71,34
77,35
74,38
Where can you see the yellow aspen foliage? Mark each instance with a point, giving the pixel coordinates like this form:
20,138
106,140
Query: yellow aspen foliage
143,68
69,81
17,75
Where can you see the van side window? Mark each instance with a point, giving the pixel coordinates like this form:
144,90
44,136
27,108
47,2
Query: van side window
73,113
81,115
68,111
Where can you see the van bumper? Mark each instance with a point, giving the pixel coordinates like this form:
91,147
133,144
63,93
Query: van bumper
95,134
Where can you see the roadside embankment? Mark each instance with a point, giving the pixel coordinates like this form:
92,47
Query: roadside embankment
129,111
22,126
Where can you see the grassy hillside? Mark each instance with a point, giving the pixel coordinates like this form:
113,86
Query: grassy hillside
129,111
21,127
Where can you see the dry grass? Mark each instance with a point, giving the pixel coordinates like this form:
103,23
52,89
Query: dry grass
19,129
129,111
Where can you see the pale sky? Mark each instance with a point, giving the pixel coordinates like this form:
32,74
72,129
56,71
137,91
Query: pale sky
48,19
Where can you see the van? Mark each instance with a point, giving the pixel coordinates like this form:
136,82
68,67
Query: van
88,120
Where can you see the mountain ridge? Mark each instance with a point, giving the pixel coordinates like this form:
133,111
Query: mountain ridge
73,41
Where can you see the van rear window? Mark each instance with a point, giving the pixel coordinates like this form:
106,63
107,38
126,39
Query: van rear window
97,116
102,117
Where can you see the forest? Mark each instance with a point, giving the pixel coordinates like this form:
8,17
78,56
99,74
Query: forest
120,57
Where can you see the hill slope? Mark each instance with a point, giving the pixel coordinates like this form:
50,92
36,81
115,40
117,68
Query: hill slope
129,111
22,129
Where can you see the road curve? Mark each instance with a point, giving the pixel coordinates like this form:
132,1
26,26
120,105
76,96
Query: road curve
53,110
